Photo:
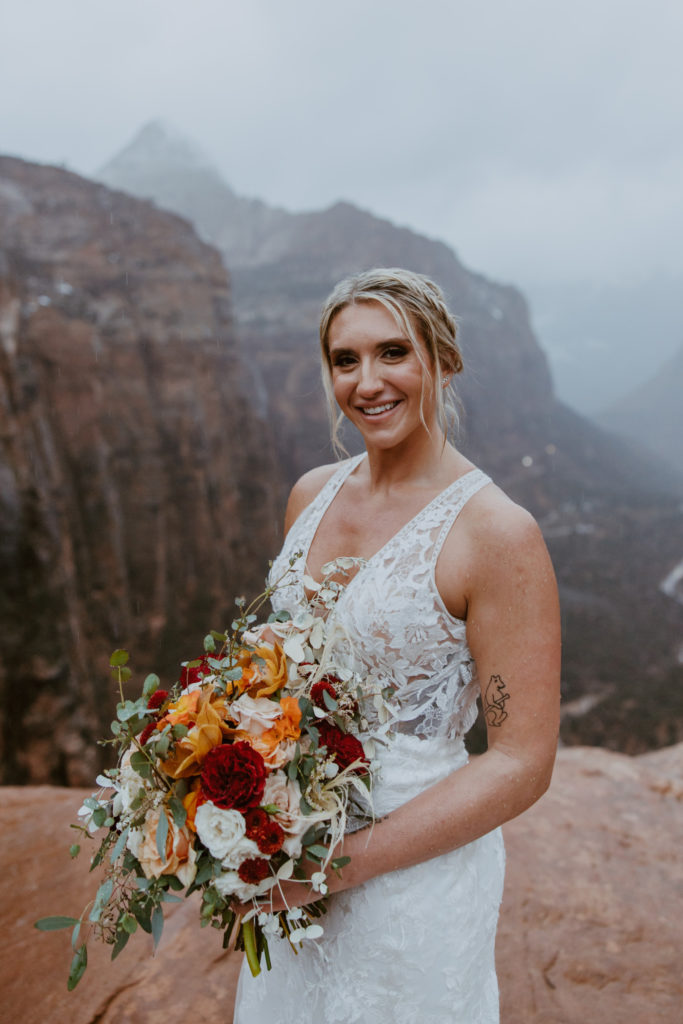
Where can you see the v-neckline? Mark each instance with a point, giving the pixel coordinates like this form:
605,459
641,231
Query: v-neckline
364,562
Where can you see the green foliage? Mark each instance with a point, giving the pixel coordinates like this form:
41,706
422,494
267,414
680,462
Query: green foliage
119,658
54,924
162,835
120,846
157,925
178,811
150,685
78,966
101,899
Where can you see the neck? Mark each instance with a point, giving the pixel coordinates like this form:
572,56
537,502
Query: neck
424,459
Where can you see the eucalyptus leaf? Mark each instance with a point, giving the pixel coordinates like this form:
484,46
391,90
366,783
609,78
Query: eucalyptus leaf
140,764
121,940
99,816
178,811
78,966
150,685
161,837
305,806
119,658
101,899
209,643
329,701
54,924
157,925
128,923
162,745
317,851
120,846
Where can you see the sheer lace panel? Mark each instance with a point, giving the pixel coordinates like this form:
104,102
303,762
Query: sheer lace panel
394,627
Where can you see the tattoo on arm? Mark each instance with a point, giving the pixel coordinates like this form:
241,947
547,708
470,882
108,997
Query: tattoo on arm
495,697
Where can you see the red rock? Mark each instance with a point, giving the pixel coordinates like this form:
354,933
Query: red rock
590,929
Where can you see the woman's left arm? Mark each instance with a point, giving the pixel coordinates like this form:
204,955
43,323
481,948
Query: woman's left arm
513,631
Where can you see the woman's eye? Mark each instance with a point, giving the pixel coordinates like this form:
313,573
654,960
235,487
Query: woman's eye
394,352
342,361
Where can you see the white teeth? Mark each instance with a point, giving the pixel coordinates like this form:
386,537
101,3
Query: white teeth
375,410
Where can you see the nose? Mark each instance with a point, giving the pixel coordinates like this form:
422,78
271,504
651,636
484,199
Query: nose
369,378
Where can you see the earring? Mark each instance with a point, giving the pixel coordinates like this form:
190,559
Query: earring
444,381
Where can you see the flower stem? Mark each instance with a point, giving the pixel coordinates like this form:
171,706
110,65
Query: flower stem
250,948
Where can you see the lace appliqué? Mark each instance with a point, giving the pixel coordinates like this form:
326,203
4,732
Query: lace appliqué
397,631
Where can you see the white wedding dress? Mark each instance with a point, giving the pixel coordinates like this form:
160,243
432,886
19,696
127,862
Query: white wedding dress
414,946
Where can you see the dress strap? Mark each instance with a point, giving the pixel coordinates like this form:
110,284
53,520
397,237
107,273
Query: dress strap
470,483
304,528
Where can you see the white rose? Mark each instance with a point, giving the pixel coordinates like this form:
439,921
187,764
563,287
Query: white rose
286,795
218,829
229,883
243,850
255,714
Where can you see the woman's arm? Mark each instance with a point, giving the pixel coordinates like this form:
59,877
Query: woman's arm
514,635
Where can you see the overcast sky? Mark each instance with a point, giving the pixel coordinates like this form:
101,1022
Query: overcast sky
543,140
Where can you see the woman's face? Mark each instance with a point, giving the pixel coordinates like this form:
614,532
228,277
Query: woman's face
377,377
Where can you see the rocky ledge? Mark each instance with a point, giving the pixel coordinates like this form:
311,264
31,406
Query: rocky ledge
588,929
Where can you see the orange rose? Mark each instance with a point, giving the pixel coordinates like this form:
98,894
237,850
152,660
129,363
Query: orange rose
207,729
276,744
260,680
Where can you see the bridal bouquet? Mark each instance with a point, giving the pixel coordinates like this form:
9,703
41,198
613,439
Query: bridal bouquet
239,777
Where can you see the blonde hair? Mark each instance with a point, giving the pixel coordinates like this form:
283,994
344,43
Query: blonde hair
419,308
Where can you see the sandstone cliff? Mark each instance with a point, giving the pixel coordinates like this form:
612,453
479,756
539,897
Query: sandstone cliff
138,494
589,929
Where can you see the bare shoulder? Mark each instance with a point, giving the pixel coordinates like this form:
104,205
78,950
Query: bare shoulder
305,490
495,545
494,524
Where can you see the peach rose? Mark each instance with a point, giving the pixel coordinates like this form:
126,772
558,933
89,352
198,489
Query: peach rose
286,795
275,744
180,854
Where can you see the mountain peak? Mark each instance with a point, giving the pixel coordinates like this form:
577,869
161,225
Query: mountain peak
158,144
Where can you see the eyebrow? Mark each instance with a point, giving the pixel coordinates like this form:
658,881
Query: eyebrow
400,339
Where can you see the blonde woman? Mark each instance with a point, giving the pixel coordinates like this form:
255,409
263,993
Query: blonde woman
453,597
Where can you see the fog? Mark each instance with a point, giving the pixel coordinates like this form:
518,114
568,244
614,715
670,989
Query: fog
541,140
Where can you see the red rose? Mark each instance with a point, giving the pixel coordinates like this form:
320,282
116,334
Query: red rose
323,686
157,699
345,748
253,870
270,838
233,776
146,733
255,819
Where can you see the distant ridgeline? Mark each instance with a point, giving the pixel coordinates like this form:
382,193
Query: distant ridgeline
157,415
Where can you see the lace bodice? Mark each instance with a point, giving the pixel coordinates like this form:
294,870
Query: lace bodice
395,629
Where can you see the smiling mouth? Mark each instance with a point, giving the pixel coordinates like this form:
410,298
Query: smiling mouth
377,410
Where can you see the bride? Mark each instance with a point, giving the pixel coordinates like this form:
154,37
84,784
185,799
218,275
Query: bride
454,597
